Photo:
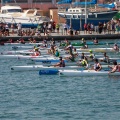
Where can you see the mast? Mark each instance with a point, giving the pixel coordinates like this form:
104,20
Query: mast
85,12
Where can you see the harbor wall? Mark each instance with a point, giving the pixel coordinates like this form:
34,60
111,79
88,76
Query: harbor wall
63,37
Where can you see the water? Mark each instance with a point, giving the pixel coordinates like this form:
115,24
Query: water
28,96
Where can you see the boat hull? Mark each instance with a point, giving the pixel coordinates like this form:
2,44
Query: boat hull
85,73
77,20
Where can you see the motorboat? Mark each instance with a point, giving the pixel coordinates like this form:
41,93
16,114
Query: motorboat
15,15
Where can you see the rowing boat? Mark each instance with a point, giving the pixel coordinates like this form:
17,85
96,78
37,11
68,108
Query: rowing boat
23,44
83,73
97,50
47,68
42,67
89,43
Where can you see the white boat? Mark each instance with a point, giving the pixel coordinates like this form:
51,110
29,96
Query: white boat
78,13
42,57
84,73
23,44
14,14
42,67
97,50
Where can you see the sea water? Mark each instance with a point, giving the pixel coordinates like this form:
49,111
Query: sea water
28,96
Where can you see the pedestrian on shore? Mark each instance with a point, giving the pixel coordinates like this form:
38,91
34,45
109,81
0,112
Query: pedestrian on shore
65,26
57,27
85,28
19,27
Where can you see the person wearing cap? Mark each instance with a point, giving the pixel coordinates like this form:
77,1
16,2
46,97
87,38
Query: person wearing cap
116,47
115,68
36,52
91,54
61,63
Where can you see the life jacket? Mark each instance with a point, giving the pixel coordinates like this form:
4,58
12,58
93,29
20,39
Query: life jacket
57,54
84,62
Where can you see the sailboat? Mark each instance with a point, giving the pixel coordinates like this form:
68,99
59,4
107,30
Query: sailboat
14,14
80,13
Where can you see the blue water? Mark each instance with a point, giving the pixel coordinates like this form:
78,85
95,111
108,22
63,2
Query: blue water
28,96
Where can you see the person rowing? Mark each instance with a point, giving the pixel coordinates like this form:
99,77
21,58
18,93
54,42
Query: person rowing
82,56
37,52
116,47
83,62
51,50
75,52
105,58
85,46
69,48
91,56
115,68
61,63
57,54
95,41
97,66
71,57
45,43
52,42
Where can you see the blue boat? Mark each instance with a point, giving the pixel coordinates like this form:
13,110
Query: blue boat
76,17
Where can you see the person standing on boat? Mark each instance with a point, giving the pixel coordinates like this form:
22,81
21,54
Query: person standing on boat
115,68
97,66
61,63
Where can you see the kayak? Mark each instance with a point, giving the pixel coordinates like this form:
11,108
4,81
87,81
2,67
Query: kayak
25,57
84,73
97,50
23,44
42,67
89,43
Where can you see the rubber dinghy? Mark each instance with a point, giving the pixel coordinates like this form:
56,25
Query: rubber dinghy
84,73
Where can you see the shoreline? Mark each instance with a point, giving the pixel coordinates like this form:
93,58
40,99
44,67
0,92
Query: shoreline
60,37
